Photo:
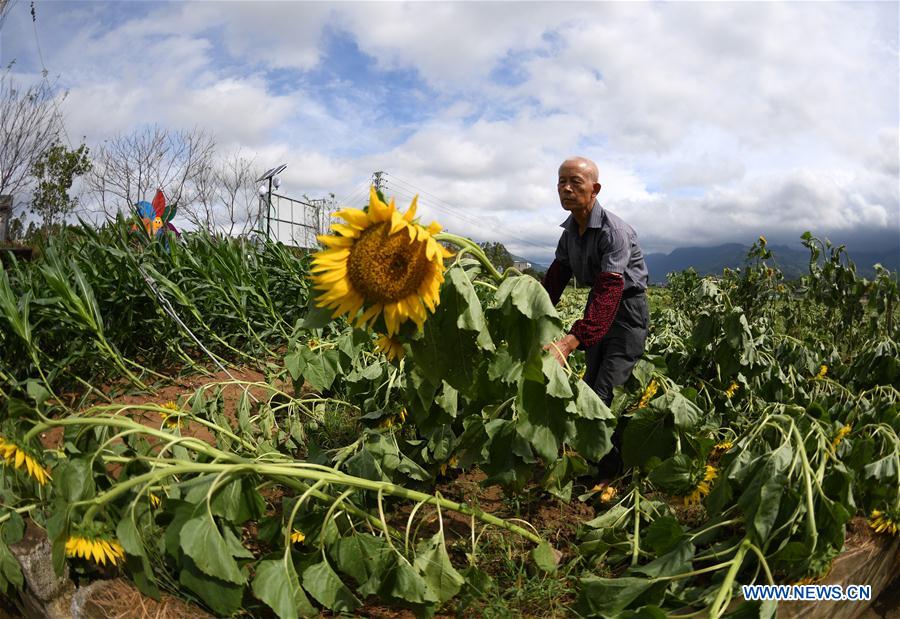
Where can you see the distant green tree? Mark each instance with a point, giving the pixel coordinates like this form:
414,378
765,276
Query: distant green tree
55,171
19,234
497,254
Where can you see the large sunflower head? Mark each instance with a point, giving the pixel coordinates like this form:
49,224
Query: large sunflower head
98,549
382,262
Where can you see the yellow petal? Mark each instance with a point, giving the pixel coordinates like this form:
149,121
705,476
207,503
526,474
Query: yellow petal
331,276
345,230
110,552
331,255
336,241
431,249
370,314
378,210
98,553
391,318
355,217
397,222
411,211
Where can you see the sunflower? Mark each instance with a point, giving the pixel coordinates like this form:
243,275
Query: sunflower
16,456
732,389
607,492
96,549
648,394
391,347
391,421
297,536
883,523
173,419
453,463
844,431
720,448
823,370
383,261
701,490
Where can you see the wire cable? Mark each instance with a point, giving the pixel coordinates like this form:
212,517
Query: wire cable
45,73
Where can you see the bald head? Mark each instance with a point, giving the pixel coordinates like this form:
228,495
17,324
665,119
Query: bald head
578,185
586,165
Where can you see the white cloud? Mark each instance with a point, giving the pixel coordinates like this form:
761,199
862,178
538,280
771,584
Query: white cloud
710,122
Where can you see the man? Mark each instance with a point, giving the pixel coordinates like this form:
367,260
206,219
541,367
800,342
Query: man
602,251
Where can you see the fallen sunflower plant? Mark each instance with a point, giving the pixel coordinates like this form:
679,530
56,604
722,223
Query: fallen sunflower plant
16,456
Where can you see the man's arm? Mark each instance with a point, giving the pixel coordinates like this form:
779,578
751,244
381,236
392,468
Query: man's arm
606,294
555,280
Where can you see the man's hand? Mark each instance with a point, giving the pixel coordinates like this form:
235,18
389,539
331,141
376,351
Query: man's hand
562,348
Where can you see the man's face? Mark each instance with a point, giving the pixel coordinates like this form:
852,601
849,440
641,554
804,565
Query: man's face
576,187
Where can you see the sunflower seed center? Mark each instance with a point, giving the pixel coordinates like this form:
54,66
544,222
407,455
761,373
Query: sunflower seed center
384,267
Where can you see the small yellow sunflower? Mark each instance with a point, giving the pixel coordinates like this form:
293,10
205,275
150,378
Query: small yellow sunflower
173,419
844,431
383,261
883,523
648,394
391,347
453,462
703,487
95,549
392,420
732,389
823,370
608,494
720,448
297,536
16,456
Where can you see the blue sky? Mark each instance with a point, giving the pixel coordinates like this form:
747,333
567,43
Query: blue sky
710,122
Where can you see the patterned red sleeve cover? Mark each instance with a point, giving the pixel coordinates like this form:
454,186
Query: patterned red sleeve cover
601,310
558,275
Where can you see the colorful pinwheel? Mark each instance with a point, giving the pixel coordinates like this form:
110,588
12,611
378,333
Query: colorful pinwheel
155,217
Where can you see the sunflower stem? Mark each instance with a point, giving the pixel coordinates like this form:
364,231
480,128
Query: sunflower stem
473,248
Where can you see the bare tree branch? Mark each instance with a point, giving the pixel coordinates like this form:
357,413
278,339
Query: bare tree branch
28,127
130,167
226,200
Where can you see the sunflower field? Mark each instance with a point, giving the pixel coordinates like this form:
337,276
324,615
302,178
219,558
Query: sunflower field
376,427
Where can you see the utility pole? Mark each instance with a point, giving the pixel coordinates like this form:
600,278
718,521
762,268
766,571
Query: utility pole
377,180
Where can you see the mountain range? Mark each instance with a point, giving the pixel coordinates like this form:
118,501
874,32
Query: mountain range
793,262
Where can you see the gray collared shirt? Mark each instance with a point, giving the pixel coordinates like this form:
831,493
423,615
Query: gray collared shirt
608,245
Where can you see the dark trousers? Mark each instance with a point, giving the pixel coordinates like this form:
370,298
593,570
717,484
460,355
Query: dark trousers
609,364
